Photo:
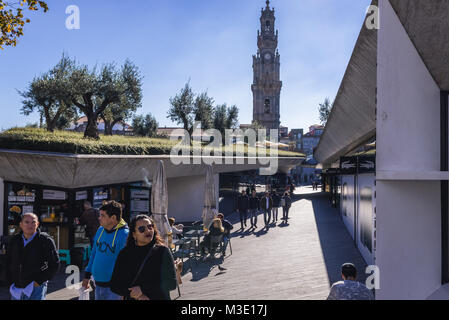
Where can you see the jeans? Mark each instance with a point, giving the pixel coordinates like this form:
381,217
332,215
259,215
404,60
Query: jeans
105,293
253,216
275,214
39,293
243,217
285,212
267,216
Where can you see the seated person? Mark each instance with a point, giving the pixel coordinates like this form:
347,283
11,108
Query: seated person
215,229
176,229
228,227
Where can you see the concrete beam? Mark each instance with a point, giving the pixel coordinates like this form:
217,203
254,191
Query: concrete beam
78,171
353,117
427,24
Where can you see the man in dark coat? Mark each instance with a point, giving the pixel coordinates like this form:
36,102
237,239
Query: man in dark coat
31,260
276,205
89,218
266,204
243,207
254,207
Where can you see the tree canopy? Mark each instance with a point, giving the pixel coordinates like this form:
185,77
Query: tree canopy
12,19
325,110
94,91
48,95
186,108
145,126
108,92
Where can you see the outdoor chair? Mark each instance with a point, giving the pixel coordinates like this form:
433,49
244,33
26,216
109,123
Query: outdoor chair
216,245
229,244
185,251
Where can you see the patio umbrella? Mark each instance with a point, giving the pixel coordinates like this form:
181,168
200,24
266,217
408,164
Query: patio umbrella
159,201
210,198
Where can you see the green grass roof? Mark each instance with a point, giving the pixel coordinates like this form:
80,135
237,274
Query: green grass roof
34,139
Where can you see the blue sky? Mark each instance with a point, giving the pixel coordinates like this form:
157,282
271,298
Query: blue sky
210,42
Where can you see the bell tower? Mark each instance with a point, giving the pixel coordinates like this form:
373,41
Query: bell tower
266,85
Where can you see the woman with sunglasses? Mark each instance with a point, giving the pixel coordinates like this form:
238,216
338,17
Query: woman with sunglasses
145,268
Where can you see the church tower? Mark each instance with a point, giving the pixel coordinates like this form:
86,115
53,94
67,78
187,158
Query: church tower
266,85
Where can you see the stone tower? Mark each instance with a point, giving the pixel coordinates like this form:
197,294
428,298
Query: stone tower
266,85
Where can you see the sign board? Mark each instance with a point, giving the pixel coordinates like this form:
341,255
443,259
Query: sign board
140,194
54,195
81,195
366,164
348,165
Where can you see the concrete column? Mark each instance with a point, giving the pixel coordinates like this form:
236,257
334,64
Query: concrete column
186,198
217,187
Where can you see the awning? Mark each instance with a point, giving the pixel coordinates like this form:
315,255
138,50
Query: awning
352,121
77,171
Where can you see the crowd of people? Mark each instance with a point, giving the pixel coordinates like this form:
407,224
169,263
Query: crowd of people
250,206
126,263
132,262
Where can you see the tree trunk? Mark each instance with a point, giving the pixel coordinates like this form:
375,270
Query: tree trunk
107,128
49,123
92,127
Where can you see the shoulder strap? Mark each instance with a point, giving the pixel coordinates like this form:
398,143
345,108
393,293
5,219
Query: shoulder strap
141,266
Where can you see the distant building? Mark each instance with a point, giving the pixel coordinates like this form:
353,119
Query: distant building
120,128
311,139
295,137
266,85
283,132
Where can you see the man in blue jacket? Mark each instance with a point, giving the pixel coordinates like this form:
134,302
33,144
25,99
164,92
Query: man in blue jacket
108,241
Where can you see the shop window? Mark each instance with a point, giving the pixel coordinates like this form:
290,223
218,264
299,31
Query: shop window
345,198
21,199
366,217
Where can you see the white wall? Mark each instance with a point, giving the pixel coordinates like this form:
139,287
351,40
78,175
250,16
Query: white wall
408,249
408,102
186,197
408,212
2,204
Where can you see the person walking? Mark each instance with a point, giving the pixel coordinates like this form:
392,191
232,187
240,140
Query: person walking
286,204
242,208
31,261
349,288
145,269
110,239
89,218
266,204
276,205
254,207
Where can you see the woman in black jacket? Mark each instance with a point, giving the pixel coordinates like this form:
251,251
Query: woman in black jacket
158,275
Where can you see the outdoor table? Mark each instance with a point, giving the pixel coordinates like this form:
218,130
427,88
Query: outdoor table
178,242
196,233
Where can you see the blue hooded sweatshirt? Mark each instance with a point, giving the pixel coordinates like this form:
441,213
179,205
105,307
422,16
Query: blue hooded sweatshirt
107,245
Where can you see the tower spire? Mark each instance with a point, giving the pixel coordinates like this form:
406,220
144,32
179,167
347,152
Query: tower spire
268,3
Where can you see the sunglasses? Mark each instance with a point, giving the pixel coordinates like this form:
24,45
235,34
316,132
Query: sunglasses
142,229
